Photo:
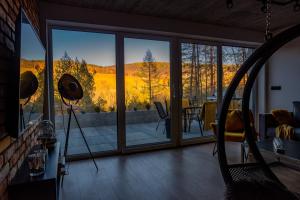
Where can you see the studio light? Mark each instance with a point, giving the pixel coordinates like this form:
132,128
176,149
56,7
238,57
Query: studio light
70,89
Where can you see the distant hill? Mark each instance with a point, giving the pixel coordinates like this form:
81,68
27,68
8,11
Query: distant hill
130,69
31,65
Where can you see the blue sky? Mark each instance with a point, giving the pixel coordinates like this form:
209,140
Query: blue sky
31,48
135,49
95,48
99,48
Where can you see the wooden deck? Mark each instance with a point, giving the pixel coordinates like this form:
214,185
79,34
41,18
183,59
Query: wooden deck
104,138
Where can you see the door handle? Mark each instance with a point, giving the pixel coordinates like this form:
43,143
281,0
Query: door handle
174,92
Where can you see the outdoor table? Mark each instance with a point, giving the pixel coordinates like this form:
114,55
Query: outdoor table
186,114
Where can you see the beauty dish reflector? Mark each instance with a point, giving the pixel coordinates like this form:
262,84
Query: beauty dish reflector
28,84
69,87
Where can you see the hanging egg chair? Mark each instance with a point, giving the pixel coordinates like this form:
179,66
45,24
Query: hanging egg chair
234,173
239,178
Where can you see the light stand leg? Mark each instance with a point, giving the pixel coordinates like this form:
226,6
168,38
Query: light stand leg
87,145
68,132
215,150
67,141
22,120
30,113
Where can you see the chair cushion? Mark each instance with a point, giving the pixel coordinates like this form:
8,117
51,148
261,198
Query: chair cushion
208,114
185,103
283,117
285,131
234,136
234,121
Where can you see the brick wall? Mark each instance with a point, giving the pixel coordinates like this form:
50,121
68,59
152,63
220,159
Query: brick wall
12,151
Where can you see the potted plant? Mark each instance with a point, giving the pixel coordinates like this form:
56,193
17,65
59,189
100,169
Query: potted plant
112,108
148,106
97,109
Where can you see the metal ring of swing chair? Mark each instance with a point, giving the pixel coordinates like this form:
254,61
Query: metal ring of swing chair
258,58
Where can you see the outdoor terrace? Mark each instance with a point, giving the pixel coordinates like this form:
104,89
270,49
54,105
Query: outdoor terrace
100,130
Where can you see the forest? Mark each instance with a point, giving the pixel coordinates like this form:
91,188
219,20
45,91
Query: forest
146,81
199,70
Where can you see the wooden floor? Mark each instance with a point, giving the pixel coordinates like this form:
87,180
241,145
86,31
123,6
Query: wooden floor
186,173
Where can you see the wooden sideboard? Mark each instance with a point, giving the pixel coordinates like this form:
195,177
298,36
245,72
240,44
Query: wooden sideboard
44,187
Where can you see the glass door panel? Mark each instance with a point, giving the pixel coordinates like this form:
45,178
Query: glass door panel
147,91
90,58
199,89
233,58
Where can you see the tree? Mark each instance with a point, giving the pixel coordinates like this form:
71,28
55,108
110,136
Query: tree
63,66
198,72
36,101
235,57
149,74
80,71
193,57
86,79
39,95
101,103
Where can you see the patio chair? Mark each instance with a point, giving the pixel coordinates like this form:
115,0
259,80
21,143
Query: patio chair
161,113
195,101
194,113
167,106
185,104
190,112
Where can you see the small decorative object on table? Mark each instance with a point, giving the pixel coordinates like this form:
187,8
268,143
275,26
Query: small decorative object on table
36,162
278,145
47,136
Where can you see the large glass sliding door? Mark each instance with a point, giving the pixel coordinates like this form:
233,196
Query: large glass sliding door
90,58
144,78
199,89
147,91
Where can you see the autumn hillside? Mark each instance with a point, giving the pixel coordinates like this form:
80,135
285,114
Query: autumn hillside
31,65
131,69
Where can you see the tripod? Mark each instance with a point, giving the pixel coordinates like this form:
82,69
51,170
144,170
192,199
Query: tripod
71,111
22,119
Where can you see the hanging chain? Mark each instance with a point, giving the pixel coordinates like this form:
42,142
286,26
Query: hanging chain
268,34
